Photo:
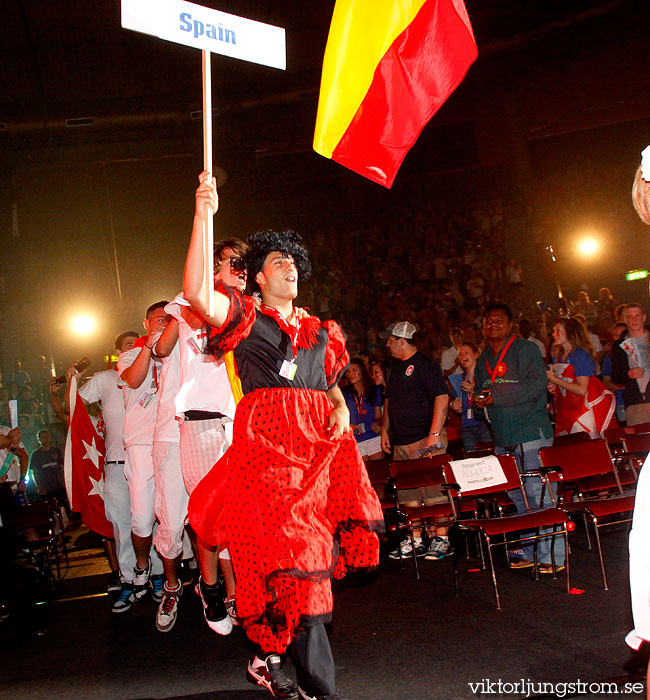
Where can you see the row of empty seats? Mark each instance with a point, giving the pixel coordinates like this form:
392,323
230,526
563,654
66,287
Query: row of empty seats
594,480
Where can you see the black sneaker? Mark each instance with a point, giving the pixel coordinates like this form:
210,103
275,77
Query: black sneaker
272,677
214,609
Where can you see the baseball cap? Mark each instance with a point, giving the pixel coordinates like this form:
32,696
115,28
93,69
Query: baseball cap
402,329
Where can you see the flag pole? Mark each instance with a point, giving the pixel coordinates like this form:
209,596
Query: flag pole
208,231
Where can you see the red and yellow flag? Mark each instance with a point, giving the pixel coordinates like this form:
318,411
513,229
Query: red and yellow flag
389,66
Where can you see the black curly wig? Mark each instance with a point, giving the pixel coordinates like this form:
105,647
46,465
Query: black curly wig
264,242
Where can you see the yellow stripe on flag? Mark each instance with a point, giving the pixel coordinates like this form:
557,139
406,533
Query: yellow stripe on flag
361,33
235,382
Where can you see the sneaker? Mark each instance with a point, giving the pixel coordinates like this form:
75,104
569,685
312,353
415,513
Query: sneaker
336,695
114,583
140,580
231,609
214,609
156,584
269,675
168,608
125,599
439,549
407,548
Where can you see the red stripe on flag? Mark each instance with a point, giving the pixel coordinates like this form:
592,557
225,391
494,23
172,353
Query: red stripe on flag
423,66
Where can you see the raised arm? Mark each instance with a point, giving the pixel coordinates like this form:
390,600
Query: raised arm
194,284
165,344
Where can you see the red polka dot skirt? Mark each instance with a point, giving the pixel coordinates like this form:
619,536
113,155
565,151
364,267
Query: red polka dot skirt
295,509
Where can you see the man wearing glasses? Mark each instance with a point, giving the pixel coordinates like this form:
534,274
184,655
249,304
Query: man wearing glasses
511,386
204,406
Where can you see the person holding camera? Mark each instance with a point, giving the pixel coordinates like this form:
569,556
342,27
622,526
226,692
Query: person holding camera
510,382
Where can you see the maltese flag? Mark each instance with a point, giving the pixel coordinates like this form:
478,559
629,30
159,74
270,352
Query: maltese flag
84,466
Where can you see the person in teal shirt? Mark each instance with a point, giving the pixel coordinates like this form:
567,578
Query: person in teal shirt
511,385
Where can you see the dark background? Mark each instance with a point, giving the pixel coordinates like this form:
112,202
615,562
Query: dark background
558,87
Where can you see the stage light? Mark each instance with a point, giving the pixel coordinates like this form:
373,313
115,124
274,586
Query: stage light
588,246
83,325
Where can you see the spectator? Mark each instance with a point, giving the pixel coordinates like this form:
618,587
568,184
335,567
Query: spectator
594,340
525,331
46,466
584,307
631,365
449,362
415,410
582,402
378,373
615,333
605,301
363,399
19,377
511,379
474,427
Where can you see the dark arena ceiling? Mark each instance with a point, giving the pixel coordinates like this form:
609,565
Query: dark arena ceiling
73,78
101,140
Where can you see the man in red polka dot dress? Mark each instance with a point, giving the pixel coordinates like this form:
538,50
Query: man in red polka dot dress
291,498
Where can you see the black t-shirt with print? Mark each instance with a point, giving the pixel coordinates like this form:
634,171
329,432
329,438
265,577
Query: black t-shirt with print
411,391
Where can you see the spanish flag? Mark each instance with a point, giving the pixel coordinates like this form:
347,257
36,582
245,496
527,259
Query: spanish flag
389,66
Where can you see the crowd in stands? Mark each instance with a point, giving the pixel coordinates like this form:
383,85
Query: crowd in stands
432,329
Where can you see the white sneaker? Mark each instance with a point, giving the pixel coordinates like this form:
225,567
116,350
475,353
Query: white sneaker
439,548
406,549
140,580
168,608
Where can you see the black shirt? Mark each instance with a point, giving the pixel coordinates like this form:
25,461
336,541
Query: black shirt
411,390
259,358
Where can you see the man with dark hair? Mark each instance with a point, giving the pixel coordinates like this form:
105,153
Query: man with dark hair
449,362
46,466
292,492
631,365
138,373
415,411
103,387
196,394
510,383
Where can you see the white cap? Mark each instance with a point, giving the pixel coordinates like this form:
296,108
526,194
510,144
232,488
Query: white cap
402,329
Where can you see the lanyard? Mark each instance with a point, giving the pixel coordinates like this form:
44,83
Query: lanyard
493,372
359,402
470,394
155,376
291,330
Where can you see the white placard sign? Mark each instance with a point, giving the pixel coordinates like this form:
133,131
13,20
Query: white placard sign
478,473
13,413
211,30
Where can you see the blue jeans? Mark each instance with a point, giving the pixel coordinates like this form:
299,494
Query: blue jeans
527,456
471,435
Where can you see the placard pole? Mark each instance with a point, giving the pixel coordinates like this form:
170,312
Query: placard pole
208,230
